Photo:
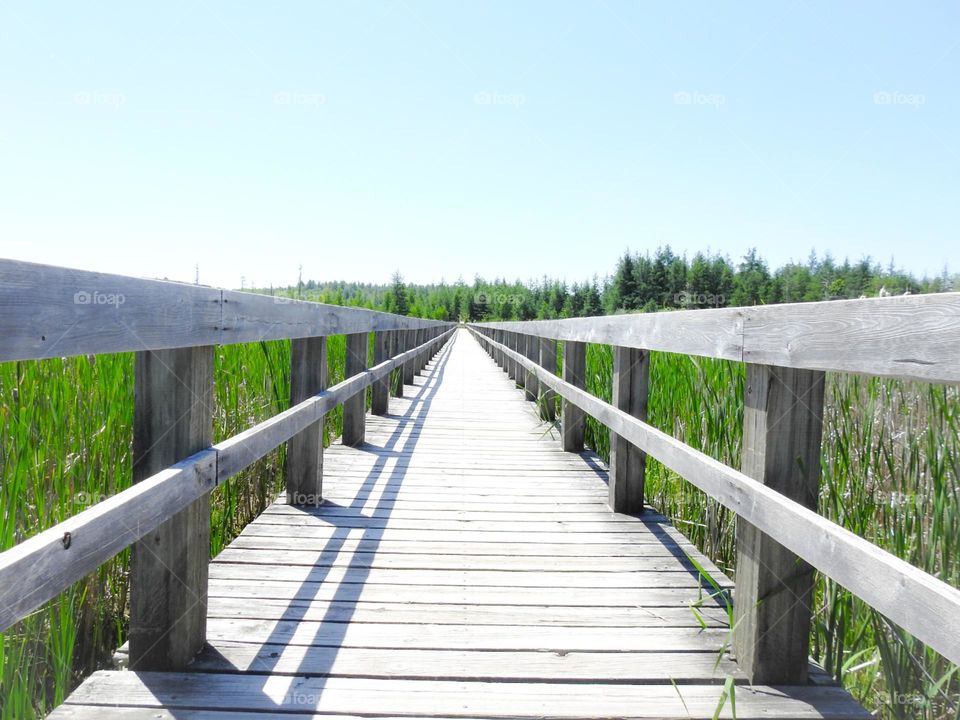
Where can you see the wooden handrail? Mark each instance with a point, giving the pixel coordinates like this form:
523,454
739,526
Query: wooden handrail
920,603
37,569
914,337
48,311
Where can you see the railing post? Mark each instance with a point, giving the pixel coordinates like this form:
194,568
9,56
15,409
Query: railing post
571,417
520,347
380,395
397,342
410,338
304,467
173,418
512,345
497,336
548,361
531,351
782,427
355,408
631,377
422,355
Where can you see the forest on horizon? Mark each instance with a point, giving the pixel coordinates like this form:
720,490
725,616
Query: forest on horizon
640,282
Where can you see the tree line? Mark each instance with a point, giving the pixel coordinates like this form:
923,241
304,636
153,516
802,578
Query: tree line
646,282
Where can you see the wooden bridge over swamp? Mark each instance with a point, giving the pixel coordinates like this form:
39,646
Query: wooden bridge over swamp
454,555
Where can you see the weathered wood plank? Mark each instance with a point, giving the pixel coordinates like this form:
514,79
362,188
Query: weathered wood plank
572,419
172,419
48,311
472,665
457,699
304,466
782,427
631,377
355,407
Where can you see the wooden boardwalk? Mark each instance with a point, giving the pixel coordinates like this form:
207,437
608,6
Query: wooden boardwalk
462,566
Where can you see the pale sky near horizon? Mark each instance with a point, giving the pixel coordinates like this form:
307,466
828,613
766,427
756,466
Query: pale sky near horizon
499,139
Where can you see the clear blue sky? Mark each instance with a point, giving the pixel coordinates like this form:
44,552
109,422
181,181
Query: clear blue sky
513,139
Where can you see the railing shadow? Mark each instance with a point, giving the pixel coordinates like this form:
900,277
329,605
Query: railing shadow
318,657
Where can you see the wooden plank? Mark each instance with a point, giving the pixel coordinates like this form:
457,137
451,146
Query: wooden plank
489,578
304,465
572,419
172,419
713,333
380,393
456,698
48,311
531,345
398,612
355,407
472,665
492,638
664,562
782,427
926,607
631,377
473,595
915,337
548,361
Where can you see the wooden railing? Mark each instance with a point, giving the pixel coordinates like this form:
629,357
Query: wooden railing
52,312
780,536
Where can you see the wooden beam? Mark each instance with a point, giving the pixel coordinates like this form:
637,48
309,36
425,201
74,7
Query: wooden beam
355,408
304,465
572,419
531,349
409,369
48,311
398,344
783,424
631,372
380,394
548,361
173,419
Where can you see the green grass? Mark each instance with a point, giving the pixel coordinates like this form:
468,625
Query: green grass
65,439
890,473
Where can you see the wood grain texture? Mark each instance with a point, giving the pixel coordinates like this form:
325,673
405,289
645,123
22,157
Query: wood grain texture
912,337
304,465
172,419
48,311
572,419
435,698
355,407
380,392
782,427
631,378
